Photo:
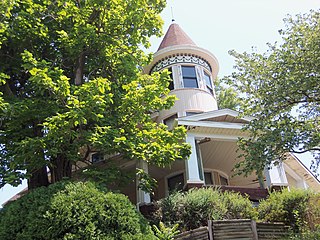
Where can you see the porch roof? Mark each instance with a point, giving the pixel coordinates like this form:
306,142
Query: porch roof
299,168
222,115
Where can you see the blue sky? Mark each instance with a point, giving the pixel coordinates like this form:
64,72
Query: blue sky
220,26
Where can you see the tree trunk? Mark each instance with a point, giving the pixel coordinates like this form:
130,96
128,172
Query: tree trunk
38,178
62,168
80,69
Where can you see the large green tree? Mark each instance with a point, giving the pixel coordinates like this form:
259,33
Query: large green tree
70,82
281,90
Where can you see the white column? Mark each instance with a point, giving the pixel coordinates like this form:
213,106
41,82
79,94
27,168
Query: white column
193,166
276,176
142,196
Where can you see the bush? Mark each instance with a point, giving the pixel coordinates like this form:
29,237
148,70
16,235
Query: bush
194,208
72,211
297,208
305,235
238,207
200,205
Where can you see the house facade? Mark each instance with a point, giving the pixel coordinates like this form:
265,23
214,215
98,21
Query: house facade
211,132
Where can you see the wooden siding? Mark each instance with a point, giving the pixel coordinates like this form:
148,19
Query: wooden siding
190,99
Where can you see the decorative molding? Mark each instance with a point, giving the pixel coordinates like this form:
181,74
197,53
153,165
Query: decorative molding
181,58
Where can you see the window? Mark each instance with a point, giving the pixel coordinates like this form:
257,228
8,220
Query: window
97,157
192,113
176,182
171,85
189,77
170,121
208,178
208,81
223,181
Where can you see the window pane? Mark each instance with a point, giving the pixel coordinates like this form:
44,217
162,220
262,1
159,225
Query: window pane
171,86
189,72
208,178
176,183
189,77
96,157
207,79
190,83
223,181
192,113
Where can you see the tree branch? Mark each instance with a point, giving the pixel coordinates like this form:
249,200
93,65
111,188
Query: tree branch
304,151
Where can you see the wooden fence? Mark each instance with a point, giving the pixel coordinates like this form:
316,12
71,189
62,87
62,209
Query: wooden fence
236,229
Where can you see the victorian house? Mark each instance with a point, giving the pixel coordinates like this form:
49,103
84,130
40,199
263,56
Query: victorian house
211,132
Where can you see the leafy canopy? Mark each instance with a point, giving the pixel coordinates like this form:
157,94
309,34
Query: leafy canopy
71,84
281,90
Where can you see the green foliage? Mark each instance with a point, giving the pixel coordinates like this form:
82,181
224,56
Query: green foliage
305,235
296,208
194,208
238,207
165,233
71,83
280,89
227,97
72,211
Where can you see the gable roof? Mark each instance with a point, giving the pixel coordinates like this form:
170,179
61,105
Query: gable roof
175,36
304,172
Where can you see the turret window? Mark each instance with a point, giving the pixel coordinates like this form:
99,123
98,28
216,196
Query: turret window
208,81
171,85
189,77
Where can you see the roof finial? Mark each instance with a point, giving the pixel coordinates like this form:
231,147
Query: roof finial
172,14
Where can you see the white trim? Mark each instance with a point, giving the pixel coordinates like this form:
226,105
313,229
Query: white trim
303,167
218,113
219,137
225,125
192,165
186,49
292,173
142,197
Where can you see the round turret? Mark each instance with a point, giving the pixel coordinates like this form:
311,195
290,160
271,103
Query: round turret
192,72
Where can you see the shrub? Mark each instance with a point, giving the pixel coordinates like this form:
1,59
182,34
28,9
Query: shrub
297,208
200,205
165,233
72,211
305,235
194,208
238,207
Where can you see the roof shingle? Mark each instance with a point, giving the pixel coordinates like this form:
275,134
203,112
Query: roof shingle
175,36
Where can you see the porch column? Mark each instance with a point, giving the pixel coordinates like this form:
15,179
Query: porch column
194,169
276,176
142,196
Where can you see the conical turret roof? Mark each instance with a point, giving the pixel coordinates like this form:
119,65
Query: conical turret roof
175,36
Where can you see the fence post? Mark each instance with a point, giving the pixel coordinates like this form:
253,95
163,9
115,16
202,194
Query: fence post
210,227
254,229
